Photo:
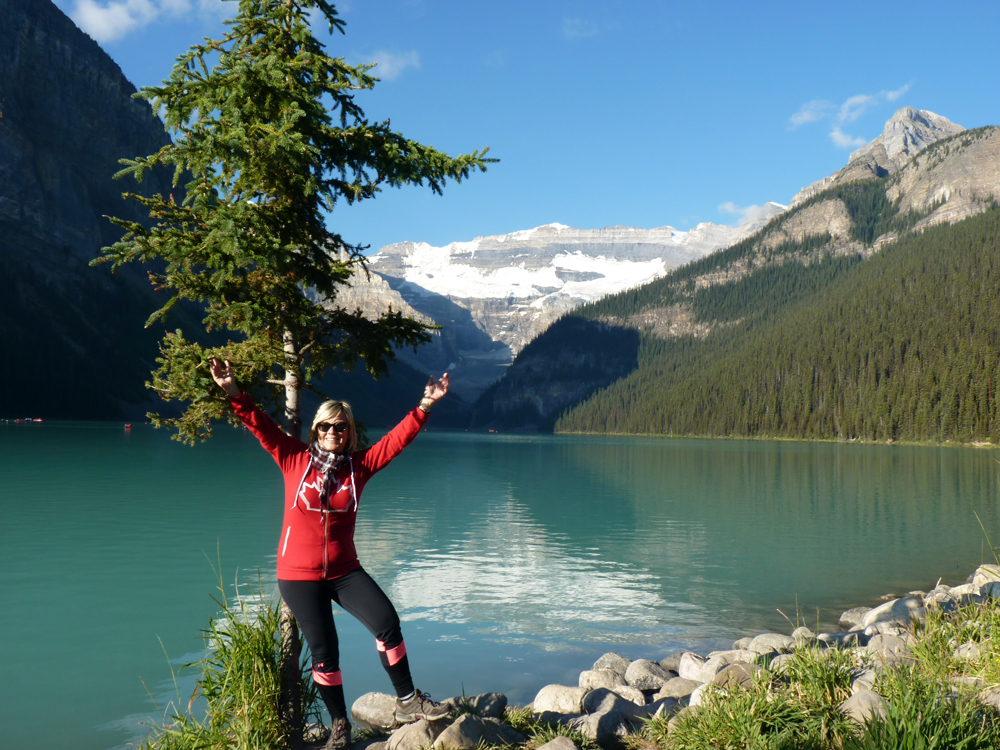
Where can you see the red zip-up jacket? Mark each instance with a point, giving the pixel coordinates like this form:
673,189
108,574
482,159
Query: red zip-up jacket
317,542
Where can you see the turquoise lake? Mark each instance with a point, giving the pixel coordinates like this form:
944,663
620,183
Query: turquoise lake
514,561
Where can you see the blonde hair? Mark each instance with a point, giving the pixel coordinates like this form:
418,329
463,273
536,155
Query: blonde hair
326,413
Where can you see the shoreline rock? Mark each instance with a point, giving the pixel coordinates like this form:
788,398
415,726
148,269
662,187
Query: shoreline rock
617,694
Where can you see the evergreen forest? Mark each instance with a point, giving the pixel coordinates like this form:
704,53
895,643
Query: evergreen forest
901,346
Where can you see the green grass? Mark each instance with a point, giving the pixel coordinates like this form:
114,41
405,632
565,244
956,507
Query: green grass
525,722
942,632
763,716
239,686
799,708
922,713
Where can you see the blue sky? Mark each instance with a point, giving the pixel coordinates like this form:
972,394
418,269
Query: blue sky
615,113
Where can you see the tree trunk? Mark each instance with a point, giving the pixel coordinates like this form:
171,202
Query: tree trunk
291,691
293,387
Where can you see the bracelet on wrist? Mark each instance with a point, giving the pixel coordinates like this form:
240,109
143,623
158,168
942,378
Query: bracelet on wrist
425,407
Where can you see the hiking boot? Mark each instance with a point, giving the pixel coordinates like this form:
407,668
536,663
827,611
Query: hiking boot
420,706
340,735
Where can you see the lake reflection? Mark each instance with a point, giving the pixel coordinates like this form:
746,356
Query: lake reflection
514,561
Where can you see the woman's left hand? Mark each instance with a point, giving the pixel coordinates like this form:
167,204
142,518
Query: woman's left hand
434,391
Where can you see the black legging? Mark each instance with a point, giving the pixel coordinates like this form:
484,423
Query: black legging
356,593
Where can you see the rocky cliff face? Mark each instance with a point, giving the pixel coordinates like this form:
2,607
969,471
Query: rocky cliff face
956,178
66,118
907,132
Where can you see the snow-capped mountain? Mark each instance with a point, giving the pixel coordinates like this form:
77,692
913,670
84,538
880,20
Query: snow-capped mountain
494,294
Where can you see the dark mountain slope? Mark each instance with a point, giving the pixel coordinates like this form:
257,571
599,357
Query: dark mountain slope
71,336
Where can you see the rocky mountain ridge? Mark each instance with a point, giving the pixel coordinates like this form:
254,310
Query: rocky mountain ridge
493,295
954,175
906,133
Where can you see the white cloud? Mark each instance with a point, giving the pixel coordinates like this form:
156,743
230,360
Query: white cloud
851,110
109,20
843,140
814,111
744,213
105,23
892,96
578,28
391,65
854,107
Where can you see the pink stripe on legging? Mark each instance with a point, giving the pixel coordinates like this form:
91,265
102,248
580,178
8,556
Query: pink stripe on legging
395,655
328,678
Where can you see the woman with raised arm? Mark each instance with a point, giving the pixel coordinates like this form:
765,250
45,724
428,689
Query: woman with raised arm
317,561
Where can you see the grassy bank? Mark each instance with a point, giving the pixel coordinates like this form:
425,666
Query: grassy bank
941,692
931,697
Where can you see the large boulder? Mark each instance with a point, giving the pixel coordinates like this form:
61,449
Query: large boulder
864,706
853,618
559,743
890,627
492,705
803,637
601,678
643,674
673,661
689,666
559,699
602,700
889,650
420,734
609,716
614,662
990,590
780,663
990,697
468,732
864,680
985,574
698,695
904,610
630,693
374,711
719,659
767,642
664,708
678,687
739,674
967,651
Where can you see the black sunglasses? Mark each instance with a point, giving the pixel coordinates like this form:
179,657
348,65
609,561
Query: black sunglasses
339,427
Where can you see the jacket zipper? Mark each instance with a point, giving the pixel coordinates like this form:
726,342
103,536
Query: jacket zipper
326,534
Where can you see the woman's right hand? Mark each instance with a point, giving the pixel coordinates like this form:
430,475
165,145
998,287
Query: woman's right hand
223,375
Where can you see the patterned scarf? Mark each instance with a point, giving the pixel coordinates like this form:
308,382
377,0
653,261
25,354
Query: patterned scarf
327,463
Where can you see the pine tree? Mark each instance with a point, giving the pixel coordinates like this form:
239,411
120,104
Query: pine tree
268,139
